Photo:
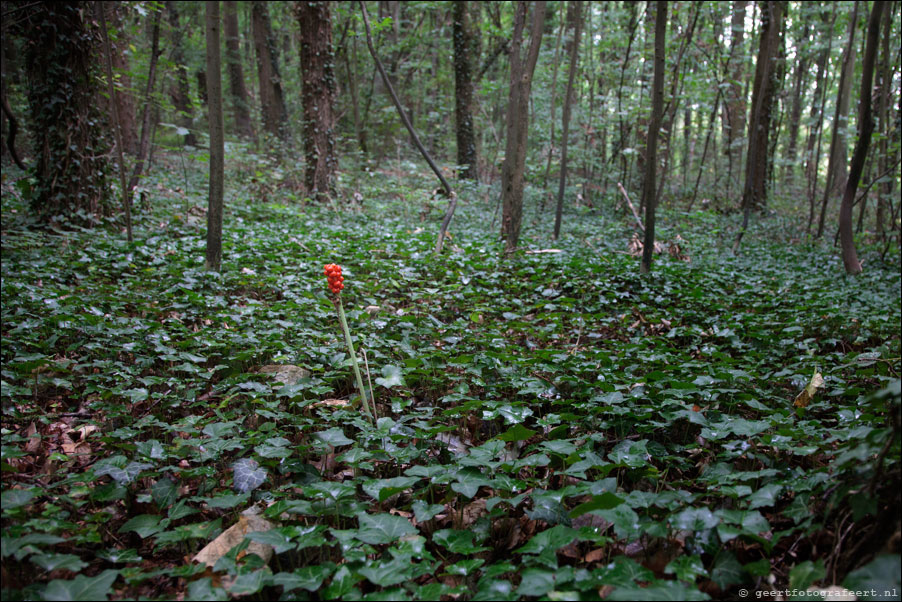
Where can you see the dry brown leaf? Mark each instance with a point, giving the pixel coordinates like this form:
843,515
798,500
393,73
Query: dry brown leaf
234,535
331,403
596,555
808,393
34,439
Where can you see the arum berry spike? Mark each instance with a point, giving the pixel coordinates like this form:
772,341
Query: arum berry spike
336,284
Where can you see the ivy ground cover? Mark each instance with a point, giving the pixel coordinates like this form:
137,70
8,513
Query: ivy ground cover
550,424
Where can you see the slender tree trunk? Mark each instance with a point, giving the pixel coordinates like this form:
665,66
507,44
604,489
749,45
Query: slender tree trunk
865,129
754,193
836,168
217,140
795,116
124,99
180,91
100,11
272,101
574,26
355,94
237,89
735,100
818,106
464,56
624,129
885,190
146,111
521,73
649,189
318,96
553,121
10,135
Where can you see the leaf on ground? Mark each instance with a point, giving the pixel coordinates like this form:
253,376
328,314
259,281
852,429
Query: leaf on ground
234,535
808,393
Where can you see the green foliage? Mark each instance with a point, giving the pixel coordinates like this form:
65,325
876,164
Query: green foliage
552,425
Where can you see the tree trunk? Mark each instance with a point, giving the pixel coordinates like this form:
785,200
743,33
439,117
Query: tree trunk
865,129
624,128
99,11
180,91
552,120
217,140
574,26
754,193
885,190
9,143
125,101
734,104
649,189
836,168
144,146
272,102
514,167
464,56
68,139
795,116
237,89
812,157
318,96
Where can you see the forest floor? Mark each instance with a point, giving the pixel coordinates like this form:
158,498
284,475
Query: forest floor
550,424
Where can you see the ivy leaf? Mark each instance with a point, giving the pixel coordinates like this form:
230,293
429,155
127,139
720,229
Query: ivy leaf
248,475
378,529
81,588
805,574
391,377
334,437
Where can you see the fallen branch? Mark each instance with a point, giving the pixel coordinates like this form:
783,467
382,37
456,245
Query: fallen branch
632,208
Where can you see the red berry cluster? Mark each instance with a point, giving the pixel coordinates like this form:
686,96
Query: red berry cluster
336,280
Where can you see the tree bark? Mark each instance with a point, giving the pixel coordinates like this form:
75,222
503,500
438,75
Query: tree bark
649,189
812,157
272,101
180,91
552,121
217,139
734,104
144,146
124,99
836,167
798,91
885,190
99,11
574,25
464,56
318,96
754,194
521,73
865,129
237,89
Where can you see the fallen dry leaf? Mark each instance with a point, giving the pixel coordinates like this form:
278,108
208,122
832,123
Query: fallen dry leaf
234,535
808,393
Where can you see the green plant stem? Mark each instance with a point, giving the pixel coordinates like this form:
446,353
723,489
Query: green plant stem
344,327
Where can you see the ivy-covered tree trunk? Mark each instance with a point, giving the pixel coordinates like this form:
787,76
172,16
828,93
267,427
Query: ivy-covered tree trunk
754,192
463,90
513,171
865,129
272,102
318,96
237,89
71,152
217,139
